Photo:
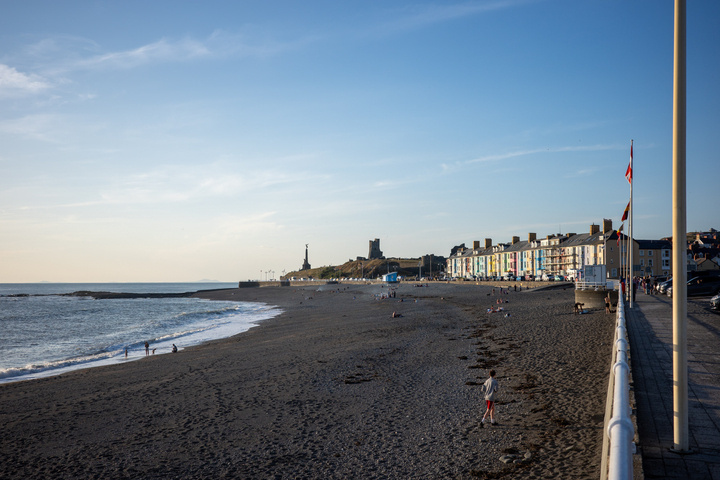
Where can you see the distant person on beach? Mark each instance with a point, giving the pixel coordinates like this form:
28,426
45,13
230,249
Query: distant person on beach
607,303
147,349
174,348
489,388
126,350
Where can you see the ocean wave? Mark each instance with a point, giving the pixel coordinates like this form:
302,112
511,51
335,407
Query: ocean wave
214,321
53,365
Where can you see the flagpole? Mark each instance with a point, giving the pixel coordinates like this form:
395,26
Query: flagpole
680,380
627,265
630,229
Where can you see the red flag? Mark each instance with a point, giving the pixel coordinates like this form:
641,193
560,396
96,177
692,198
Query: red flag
619,234
628,172
625,214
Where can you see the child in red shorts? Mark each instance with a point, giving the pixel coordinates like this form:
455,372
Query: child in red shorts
489,388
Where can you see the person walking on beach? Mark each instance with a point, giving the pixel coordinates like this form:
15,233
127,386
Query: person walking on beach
147,349
607,303
489,388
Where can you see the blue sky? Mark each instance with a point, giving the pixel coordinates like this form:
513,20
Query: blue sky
179,141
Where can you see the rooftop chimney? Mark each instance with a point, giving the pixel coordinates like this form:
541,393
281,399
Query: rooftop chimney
488,242
607,225
515,240
476,244
594,229
531,237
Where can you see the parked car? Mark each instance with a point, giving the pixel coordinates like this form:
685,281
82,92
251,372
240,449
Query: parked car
662,288
715,302
704,285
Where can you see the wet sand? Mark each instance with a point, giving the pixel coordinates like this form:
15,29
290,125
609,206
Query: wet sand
335,388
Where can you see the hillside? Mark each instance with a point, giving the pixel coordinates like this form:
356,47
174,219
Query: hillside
405,267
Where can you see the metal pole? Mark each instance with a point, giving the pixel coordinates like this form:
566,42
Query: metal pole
631,241
628,267
680,381
626,260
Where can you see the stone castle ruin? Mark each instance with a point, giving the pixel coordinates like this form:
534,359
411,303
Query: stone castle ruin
374,251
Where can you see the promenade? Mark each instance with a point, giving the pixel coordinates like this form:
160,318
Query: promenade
650,331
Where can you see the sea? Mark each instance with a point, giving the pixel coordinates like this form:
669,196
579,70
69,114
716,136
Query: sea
44,333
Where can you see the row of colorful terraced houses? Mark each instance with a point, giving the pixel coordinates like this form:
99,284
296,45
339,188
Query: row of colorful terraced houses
563,254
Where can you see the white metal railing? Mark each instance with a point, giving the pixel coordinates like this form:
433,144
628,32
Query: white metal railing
597,285
585,285
620,431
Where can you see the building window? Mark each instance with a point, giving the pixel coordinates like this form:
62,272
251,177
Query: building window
642,253
650,253
642,262
650,263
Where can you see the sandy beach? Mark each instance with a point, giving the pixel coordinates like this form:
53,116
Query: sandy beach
335,388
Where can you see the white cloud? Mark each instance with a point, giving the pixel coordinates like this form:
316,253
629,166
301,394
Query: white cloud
177,183
585,172
429,15
162,50
14,83
528,152
219,44
65,130
32,127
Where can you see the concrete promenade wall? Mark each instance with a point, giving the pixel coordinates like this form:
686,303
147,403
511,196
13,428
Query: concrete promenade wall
595,299
494,284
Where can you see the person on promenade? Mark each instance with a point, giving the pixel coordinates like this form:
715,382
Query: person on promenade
147,349
174,349
489,388
634,288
